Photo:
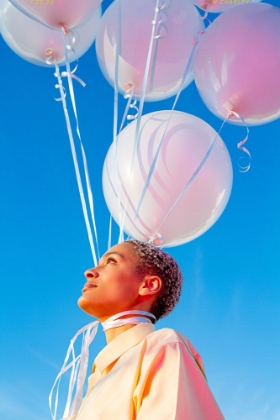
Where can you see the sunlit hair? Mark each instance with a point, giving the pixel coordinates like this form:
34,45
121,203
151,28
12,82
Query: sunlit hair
154,261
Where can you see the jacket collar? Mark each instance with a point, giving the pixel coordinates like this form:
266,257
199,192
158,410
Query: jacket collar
121,344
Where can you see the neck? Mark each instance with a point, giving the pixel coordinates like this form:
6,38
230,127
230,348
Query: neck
115,332
123,321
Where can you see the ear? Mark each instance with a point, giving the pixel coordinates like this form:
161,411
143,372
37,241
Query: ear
150,285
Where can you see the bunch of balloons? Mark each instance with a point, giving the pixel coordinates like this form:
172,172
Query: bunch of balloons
167,176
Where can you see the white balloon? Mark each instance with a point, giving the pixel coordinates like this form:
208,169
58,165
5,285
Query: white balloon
126,28
32,40
237,62
186,140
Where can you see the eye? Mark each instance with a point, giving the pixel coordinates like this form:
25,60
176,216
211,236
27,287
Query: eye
111,260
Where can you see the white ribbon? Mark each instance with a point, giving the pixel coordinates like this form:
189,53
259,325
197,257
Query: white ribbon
79,364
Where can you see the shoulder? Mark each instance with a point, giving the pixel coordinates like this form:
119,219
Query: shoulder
174,343
166,333
166,337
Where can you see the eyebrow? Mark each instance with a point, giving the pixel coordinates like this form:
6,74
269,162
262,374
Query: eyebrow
112,253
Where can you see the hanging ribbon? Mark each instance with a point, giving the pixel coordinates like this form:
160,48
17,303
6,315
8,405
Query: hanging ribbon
69,74
79,364
194,175
155,23
131,104
115,130
240,145
89,332
158,27
155,159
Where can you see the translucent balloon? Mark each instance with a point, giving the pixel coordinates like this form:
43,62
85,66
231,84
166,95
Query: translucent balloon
126,28
237,62
217,6
186,141
56,14
35,42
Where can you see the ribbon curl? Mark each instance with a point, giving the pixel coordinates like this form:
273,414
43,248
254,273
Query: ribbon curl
240,145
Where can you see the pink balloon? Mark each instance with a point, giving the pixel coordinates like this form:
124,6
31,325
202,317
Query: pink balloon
127,25
237,62
186,140
33,41
217,6
57,13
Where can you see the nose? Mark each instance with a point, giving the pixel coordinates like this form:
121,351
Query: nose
91,273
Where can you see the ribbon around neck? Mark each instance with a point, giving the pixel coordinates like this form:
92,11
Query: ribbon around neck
79,363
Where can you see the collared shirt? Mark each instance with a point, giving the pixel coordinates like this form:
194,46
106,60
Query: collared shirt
145,374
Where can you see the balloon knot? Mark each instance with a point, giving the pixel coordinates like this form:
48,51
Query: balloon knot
49,52
231,115
128,86
157,240
66,30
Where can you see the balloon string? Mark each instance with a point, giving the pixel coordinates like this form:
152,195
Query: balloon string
162,19
156,22
194,175
138,115
143,91
110,232
186,71
131,104
65,74
155,159
115,129
145,81
162,31
129,200
51,60
240,145
69,74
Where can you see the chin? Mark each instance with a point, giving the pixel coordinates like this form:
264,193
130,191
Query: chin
86,306
83,304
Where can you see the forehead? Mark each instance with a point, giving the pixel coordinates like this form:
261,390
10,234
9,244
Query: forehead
124,250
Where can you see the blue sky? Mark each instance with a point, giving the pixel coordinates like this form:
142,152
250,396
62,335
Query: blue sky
230,304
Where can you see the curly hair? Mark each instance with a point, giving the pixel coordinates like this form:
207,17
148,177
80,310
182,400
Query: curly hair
152,260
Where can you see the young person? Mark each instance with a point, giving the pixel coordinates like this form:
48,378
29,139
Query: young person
142,373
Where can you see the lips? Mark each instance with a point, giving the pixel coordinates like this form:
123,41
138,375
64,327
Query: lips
89,286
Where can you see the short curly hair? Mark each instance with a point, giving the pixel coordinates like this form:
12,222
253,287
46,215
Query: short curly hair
152,260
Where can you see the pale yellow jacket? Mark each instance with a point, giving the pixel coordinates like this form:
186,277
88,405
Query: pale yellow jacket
145,374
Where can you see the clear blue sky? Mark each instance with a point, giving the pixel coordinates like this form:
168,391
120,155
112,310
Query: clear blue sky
230,303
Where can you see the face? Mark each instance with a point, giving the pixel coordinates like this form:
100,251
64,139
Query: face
114,285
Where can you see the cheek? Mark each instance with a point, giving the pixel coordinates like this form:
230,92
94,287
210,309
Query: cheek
129,290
